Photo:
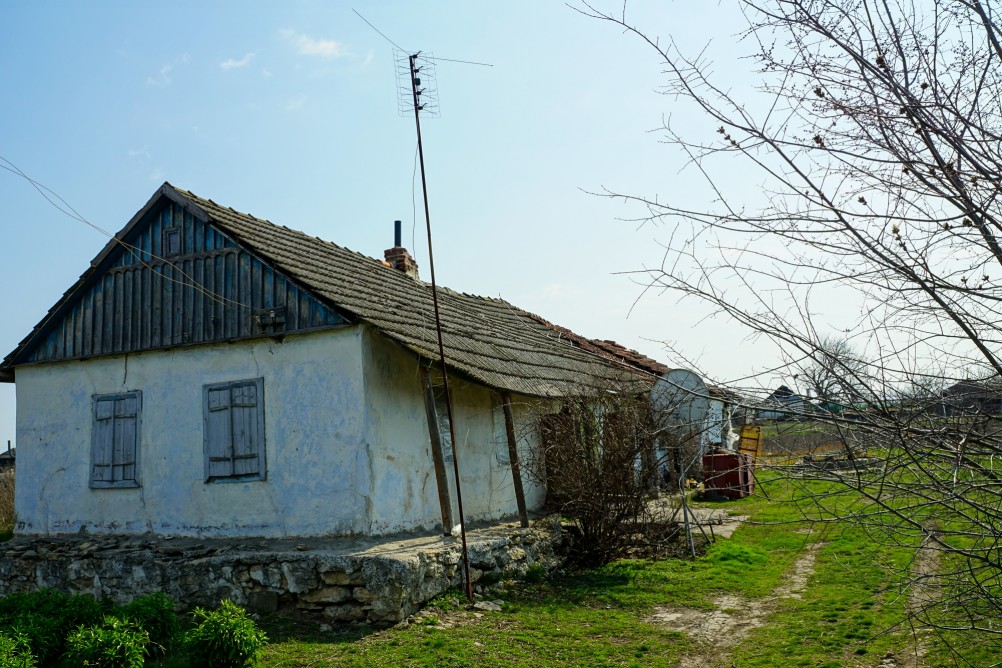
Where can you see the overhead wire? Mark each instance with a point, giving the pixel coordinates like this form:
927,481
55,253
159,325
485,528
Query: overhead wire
425,58
48,194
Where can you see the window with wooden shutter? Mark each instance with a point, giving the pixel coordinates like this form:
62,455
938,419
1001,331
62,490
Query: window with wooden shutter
115,440
234,430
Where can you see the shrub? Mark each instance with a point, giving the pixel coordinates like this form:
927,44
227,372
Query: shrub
45,617
116,643
223,638
15,651
154,613
42,633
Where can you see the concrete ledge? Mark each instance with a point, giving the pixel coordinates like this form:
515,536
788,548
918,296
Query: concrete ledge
377,581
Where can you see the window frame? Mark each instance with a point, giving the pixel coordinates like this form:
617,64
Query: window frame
170,234
114,397
262,468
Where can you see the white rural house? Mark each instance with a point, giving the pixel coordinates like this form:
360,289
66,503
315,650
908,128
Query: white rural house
214,374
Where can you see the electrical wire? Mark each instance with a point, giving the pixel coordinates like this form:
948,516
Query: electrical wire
378,30
399,48
51,196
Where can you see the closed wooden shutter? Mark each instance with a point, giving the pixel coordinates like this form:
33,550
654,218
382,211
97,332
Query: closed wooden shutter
218,436
115,440
234,430
245,431
126,432
104,439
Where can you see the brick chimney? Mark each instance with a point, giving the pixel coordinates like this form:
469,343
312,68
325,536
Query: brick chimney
398,257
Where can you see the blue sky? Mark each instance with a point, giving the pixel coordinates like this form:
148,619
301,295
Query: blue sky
289,111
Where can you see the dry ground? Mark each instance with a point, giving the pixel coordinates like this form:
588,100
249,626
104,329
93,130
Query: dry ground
718,630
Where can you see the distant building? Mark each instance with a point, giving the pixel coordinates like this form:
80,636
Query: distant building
7,458
783,404
974,397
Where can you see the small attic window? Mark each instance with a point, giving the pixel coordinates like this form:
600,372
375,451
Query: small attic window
172,241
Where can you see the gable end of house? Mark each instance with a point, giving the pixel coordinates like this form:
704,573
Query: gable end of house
171,278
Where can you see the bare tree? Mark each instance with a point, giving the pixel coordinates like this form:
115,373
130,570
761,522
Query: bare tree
602,460
834,373
876,131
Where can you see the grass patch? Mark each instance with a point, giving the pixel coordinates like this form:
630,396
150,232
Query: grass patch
848,614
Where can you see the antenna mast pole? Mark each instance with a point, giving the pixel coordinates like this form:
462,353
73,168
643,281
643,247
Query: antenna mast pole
416,93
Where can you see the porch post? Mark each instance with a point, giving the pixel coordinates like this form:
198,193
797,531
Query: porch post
438,457
516,469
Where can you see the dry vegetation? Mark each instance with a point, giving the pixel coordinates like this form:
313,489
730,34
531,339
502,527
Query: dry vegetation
6,501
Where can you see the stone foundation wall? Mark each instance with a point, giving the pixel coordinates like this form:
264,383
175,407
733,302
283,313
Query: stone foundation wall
377,582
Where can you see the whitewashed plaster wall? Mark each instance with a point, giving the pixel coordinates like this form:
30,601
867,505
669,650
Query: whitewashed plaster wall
404,492
315,442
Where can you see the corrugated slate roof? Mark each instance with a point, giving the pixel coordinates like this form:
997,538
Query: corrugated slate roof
486,339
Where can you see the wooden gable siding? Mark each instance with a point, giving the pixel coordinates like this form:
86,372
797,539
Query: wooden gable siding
212,290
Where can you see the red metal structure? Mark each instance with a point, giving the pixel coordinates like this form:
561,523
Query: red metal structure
728,474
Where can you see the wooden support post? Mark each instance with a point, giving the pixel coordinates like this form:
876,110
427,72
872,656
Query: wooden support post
437,455
516,470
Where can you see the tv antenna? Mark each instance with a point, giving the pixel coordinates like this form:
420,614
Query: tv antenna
417,93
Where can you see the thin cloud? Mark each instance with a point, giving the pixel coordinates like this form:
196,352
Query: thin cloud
295,103
311,46
233,63
139,152
162,79
165,76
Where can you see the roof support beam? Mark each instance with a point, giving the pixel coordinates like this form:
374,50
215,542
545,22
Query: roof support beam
516,469
437,455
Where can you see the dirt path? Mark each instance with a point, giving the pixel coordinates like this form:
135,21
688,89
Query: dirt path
921,595
733,617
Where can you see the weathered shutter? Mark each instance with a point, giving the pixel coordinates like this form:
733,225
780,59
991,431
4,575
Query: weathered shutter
125,433
218,433
102,458
246,439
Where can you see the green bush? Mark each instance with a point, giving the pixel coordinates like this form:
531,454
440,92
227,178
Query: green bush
116,643
42,633
154,613
46,616
223,638
15,652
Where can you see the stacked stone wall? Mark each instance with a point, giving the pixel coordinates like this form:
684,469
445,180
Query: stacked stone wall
379,583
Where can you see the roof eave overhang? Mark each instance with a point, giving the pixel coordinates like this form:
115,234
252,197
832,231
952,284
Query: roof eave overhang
6,375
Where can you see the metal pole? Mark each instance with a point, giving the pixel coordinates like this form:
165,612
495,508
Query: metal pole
438,332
